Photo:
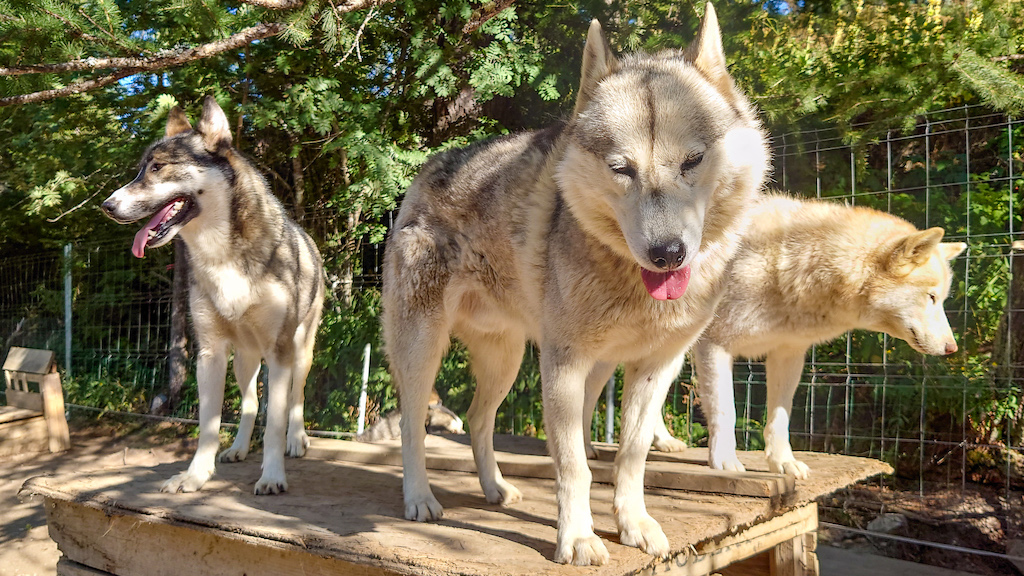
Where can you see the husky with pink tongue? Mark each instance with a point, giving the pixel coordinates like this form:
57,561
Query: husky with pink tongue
604,240
256,285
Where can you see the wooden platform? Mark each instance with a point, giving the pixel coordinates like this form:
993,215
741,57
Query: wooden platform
342,515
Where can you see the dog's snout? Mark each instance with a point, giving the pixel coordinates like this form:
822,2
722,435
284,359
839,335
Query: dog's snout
950,348
108,206
668,255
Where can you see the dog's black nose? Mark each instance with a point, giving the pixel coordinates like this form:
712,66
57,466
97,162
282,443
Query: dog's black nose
669,255
108,206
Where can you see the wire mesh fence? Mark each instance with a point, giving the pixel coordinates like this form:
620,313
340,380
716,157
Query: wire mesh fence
939,421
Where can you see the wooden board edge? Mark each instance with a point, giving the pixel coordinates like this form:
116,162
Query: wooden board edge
108,542
744,543
659,473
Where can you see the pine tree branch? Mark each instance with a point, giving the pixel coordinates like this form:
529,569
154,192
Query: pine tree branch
114,40
481,17
340,7
76,88
164,59
275,4
1008,57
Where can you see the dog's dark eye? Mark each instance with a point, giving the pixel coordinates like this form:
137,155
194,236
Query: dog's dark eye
933,297
624,170
155,167
691,163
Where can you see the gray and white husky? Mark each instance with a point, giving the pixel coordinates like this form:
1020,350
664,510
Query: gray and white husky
256,285
603,240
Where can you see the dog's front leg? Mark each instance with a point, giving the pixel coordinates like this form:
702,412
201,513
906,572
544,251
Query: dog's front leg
647,383
714,387
279,384
782,371
562,383
211,368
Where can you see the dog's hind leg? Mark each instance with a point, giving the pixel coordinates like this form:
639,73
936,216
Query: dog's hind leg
782,371
211,369
298,441
495,361
596,381
713,365
647,383
415,345
247,370
279,383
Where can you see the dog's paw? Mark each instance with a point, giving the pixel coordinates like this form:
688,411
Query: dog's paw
272,482
583,549
423,509
233,454
669,444
503,493
297,444
645,533
729,462
185,482
791,467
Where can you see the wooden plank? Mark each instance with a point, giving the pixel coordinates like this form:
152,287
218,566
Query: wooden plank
14,413
67,567
26,400
121,545
23,436
811,566
659,474
352,514
755,539
29,360
53,410
787,558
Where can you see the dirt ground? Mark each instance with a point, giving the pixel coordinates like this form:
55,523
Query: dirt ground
978,516
25,545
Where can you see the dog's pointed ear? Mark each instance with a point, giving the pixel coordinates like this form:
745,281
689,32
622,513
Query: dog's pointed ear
598,63
213,126
950,250
707,55
177,123
914,250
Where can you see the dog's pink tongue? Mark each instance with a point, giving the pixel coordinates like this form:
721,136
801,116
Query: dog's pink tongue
142,236
666,285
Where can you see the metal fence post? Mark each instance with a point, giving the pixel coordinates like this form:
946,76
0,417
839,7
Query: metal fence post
67,308
362,391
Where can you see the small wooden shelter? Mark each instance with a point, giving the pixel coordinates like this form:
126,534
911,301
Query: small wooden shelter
33,419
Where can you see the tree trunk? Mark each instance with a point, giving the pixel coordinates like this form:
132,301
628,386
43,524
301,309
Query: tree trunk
298,180
177,355
1009,346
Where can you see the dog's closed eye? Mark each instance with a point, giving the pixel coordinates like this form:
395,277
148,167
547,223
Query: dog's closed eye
691,162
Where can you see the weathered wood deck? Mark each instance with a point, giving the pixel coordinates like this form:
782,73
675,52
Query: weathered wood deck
343,515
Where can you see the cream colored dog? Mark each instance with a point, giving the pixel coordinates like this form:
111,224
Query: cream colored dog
807,272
